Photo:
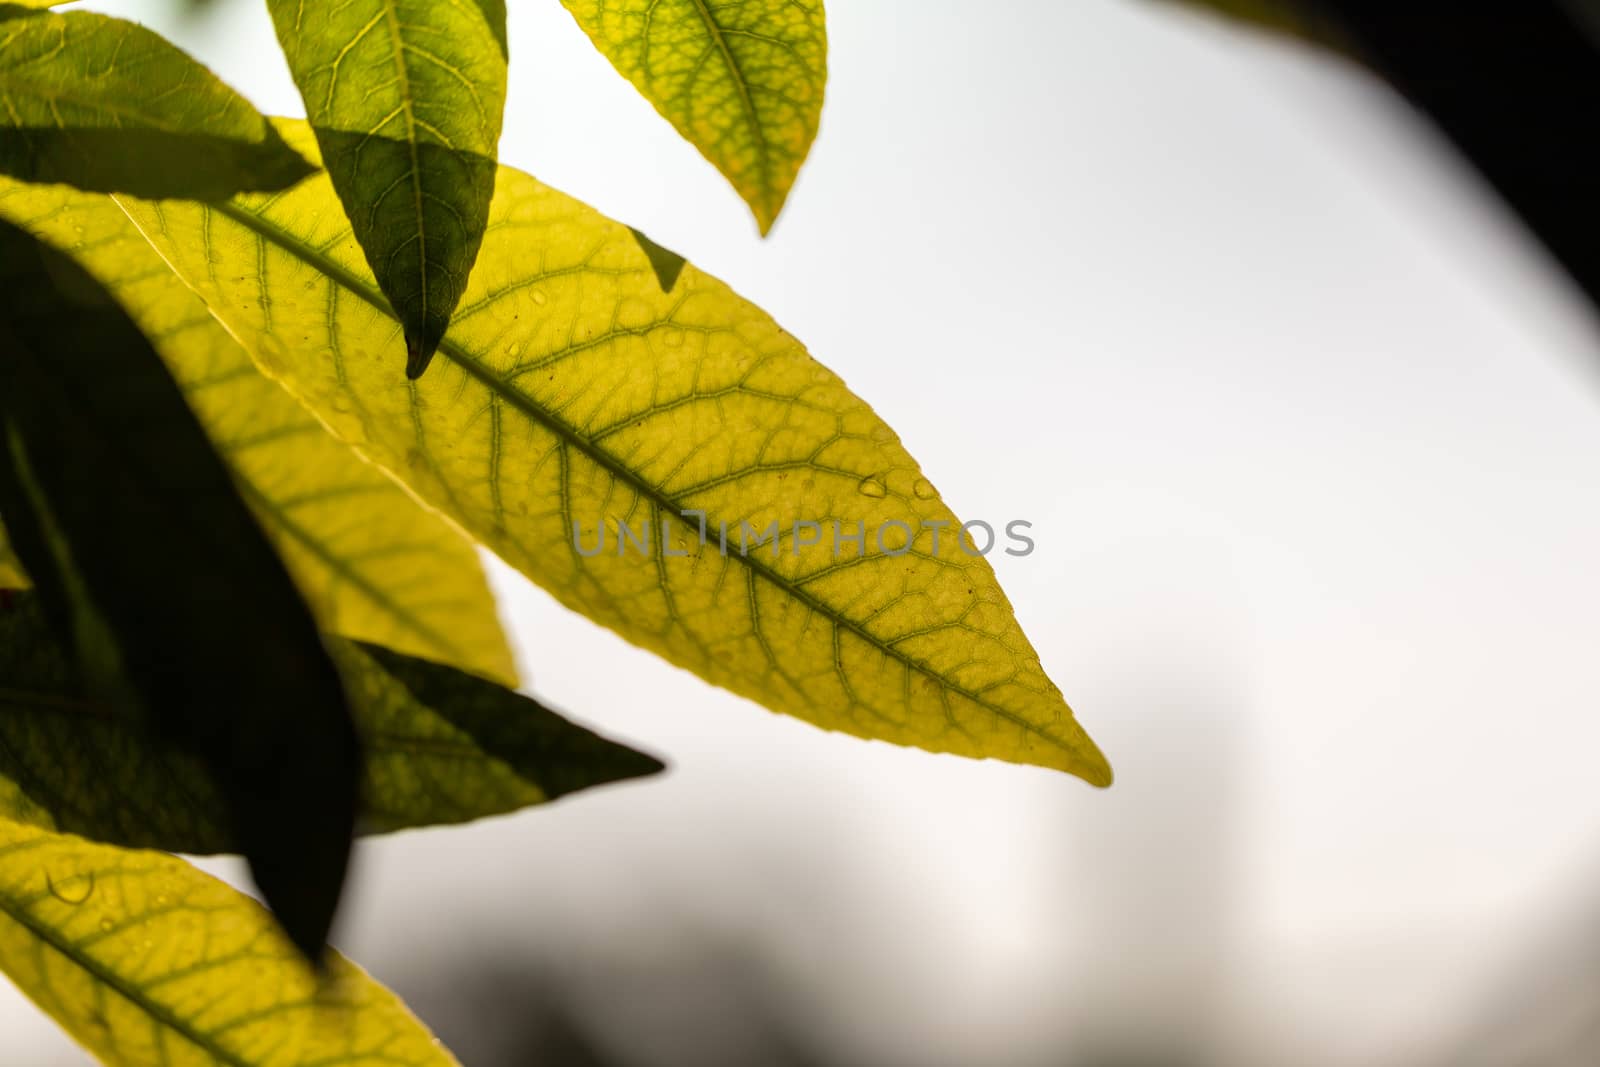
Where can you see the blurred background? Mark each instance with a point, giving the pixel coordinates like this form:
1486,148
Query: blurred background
1307,431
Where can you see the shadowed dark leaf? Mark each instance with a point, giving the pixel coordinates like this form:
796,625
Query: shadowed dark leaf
109,106
154,571
441,746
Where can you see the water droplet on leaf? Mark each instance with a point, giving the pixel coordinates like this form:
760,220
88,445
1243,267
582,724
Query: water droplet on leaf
71,889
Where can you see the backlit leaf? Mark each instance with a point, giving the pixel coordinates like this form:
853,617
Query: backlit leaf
406,97
131,528
108,105
146,961
742,80
372,563
440,746
572,389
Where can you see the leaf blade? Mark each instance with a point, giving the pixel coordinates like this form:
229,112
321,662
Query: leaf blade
87,402
572,387
372,563
109,106
143,959
441,747
407,98
741,82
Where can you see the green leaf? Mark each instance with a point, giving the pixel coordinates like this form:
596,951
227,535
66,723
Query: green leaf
144,960
572,389
372,563
441,746
406,97
742,81
131,527
107,105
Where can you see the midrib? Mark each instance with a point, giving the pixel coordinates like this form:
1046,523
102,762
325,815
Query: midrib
359,288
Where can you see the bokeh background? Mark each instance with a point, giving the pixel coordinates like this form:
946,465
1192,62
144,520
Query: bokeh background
1308,432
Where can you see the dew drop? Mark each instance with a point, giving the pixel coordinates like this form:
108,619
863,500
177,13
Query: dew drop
924,489
872,487
512,348
106,925
537,296
74,889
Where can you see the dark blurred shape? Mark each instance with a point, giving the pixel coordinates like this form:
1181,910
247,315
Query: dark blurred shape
1545,1011
1516,87
704,1001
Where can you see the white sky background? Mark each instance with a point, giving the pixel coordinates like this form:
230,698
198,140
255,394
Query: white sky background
1308,435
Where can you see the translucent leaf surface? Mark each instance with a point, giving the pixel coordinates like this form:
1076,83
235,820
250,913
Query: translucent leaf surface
107,105
742,80
573,390
149,963
371,561
406,97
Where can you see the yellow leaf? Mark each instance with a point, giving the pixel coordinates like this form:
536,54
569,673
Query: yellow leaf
371,562
572,389
743,82
146,961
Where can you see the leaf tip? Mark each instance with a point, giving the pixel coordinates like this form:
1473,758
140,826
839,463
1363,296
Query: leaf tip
419,353
1092,765
666,263
646,765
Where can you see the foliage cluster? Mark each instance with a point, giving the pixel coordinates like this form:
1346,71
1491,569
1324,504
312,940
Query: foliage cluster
244,611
